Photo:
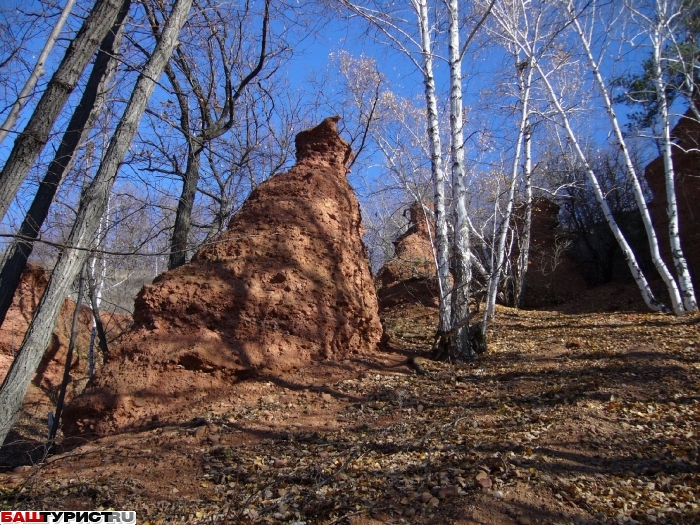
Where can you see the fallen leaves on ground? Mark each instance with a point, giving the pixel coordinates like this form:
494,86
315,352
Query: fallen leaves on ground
590,418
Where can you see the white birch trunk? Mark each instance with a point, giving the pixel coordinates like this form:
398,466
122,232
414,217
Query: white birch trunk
461,250
524,253
684,281
37,72
524,81
636,271
99,281
438,174
92,206
652,239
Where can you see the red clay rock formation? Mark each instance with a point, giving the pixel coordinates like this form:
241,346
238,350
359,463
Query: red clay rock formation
410,276
686,159
552,275
286,285
50,372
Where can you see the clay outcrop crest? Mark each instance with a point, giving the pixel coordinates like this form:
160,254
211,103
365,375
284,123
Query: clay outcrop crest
410,275
287,284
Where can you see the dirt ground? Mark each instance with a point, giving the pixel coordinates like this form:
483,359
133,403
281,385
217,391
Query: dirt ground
573,416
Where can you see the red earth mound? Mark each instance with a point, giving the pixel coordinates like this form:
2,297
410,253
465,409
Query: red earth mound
552,276
288,284
50,372
410,276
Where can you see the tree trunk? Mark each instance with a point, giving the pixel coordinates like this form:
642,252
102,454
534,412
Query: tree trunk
32,140
438,174
95,292
524,248
15,259
37,72
69,358
462,275
91,209
524,81
685,283
183,217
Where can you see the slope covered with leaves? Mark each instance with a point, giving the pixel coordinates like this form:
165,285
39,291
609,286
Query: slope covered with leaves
569,418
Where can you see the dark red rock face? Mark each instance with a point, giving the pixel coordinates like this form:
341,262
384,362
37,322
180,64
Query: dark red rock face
686,164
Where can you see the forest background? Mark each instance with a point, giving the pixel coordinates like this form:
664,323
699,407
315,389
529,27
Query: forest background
476,110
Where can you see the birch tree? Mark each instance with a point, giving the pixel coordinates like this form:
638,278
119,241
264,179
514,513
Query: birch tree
92,206
524,78
537,58
418,48
461,265
526,236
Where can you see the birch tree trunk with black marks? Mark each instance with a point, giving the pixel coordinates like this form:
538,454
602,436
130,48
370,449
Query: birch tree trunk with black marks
524,72
524,246
438,173
461,265
685,283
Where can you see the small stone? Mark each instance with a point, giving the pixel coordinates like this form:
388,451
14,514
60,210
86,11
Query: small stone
425,497
485,483
279,463
200,432
497,494
523,520
419,408
409,513
447,492
326,396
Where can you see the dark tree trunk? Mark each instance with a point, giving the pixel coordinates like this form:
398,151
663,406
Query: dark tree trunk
90,211
32,140
183,218
15,260
69,358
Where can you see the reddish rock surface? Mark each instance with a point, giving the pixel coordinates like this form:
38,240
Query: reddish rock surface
50,372
410,276
286,286
552,275
686,160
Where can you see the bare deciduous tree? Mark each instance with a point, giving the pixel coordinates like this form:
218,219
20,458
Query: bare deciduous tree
92,206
